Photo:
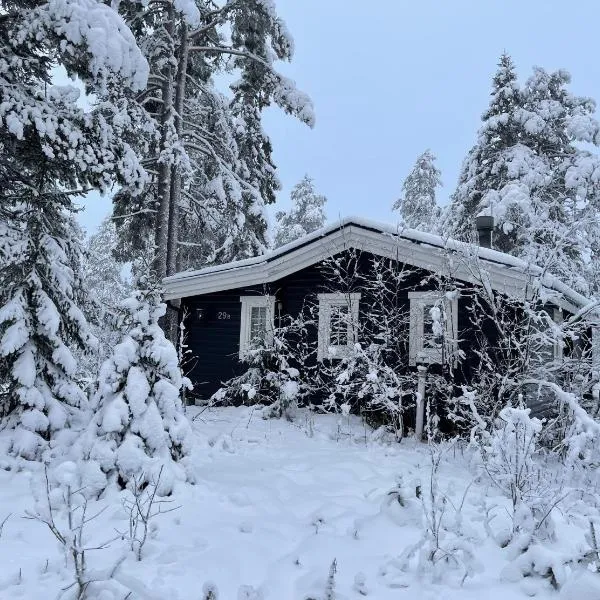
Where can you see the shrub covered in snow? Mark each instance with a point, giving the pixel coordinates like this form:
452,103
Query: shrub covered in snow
446,549
139,426
63,505
514,462
276,372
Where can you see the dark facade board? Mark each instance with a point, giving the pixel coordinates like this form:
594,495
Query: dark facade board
214,320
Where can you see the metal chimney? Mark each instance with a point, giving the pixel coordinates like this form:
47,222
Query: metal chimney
485,228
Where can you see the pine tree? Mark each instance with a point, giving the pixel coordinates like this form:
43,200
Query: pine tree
51,150
485,168
139,426
227,153
106,286
38,320
307,213
529,171
559,214
417,207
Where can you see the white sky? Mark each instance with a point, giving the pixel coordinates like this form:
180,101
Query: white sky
393,78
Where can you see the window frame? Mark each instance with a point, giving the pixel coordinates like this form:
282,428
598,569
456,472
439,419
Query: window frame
326,350
595,350
558,346
248,303
419,302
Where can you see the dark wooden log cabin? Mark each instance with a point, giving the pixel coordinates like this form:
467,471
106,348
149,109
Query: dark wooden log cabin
226,304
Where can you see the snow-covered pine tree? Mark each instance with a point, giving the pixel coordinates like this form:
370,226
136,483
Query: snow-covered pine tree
188,45
559,192
139,425
484,168
306,214
529,170
39,319
106,286
417,206
51,150
218,201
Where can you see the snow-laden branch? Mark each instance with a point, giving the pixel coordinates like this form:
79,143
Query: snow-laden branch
110,45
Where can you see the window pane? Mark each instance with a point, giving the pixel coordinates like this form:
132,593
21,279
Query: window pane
258,323
432,327
338,326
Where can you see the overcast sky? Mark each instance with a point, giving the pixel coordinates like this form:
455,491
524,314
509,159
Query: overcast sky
393,78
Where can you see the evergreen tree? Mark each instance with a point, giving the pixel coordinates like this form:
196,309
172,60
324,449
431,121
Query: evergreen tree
485,167
307,213
529,171
38,321
558,195
139,426
189,44
106,286
50,151
417,206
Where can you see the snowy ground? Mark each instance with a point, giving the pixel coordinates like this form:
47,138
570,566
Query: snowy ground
273,508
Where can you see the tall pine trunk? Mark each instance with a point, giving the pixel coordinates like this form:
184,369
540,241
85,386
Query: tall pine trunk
164,166
171,318
176,175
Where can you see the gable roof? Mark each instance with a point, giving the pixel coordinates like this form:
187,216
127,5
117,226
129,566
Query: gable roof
460,260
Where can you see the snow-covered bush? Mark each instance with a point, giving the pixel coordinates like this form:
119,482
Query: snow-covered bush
139,428
509,456
268,380
276,371
142,509
513,461
373,375
446,549
210,591
369,376
579,441
521,347
64,506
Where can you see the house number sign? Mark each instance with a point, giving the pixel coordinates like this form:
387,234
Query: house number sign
222,315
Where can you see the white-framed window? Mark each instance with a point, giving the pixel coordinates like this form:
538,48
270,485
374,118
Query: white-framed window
257,321
338,324
433,327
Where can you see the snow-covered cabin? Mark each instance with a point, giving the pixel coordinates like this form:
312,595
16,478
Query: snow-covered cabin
228,304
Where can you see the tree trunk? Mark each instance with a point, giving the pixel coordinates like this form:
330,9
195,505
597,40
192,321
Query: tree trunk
176,175
164,167
170,323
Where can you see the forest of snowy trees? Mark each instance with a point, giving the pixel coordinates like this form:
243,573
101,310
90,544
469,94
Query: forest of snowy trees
183,155
163,110
533,168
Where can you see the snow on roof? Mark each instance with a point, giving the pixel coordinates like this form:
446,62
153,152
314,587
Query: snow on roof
511,262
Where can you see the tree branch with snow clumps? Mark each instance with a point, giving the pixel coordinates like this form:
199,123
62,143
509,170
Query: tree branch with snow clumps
91,26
